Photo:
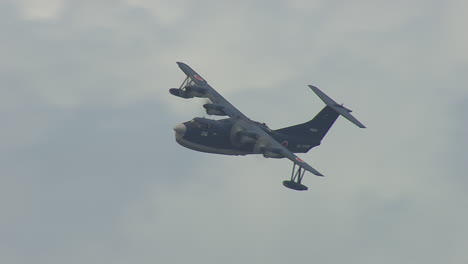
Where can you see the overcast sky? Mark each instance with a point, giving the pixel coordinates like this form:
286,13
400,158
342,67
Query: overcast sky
90,171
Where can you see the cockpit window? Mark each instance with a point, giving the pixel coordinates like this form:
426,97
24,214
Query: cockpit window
200,124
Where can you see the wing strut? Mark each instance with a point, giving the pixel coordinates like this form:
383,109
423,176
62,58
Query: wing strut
296,179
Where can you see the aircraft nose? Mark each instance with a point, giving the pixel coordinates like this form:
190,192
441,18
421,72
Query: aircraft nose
180,129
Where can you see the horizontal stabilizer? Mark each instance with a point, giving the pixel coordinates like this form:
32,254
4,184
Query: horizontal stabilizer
340,109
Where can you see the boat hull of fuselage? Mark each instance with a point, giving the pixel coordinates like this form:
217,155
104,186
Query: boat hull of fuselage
214,136
209,149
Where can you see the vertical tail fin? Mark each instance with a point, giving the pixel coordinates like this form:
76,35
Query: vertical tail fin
318,127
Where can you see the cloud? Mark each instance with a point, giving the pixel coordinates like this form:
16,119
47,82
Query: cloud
40,10
166,12
91,172
454,24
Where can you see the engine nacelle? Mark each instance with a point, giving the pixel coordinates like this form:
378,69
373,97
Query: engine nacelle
214,109
195,91
247,137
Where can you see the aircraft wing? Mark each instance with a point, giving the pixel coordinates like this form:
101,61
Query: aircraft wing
298,161
267,145
271,144
210,92
264,141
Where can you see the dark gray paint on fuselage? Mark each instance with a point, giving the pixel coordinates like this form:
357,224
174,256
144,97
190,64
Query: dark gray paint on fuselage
210,133
213,136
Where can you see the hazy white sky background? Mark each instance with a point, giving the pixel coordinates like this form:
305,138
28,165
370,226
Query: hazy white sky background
90,171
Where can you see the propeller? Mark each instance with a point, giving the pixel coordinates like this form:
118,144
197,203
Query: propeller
236,129
206,101
260,145
201,103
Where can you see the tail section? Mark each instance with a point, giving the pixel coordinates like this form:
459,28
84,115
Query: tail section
340,109
318,127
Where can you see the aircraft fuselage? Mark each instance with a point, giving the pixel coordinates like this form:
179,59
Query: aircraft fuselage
214,136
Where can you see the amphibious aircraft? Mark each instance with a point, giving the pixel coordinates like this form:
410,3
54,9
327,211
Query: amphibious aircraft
239,135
